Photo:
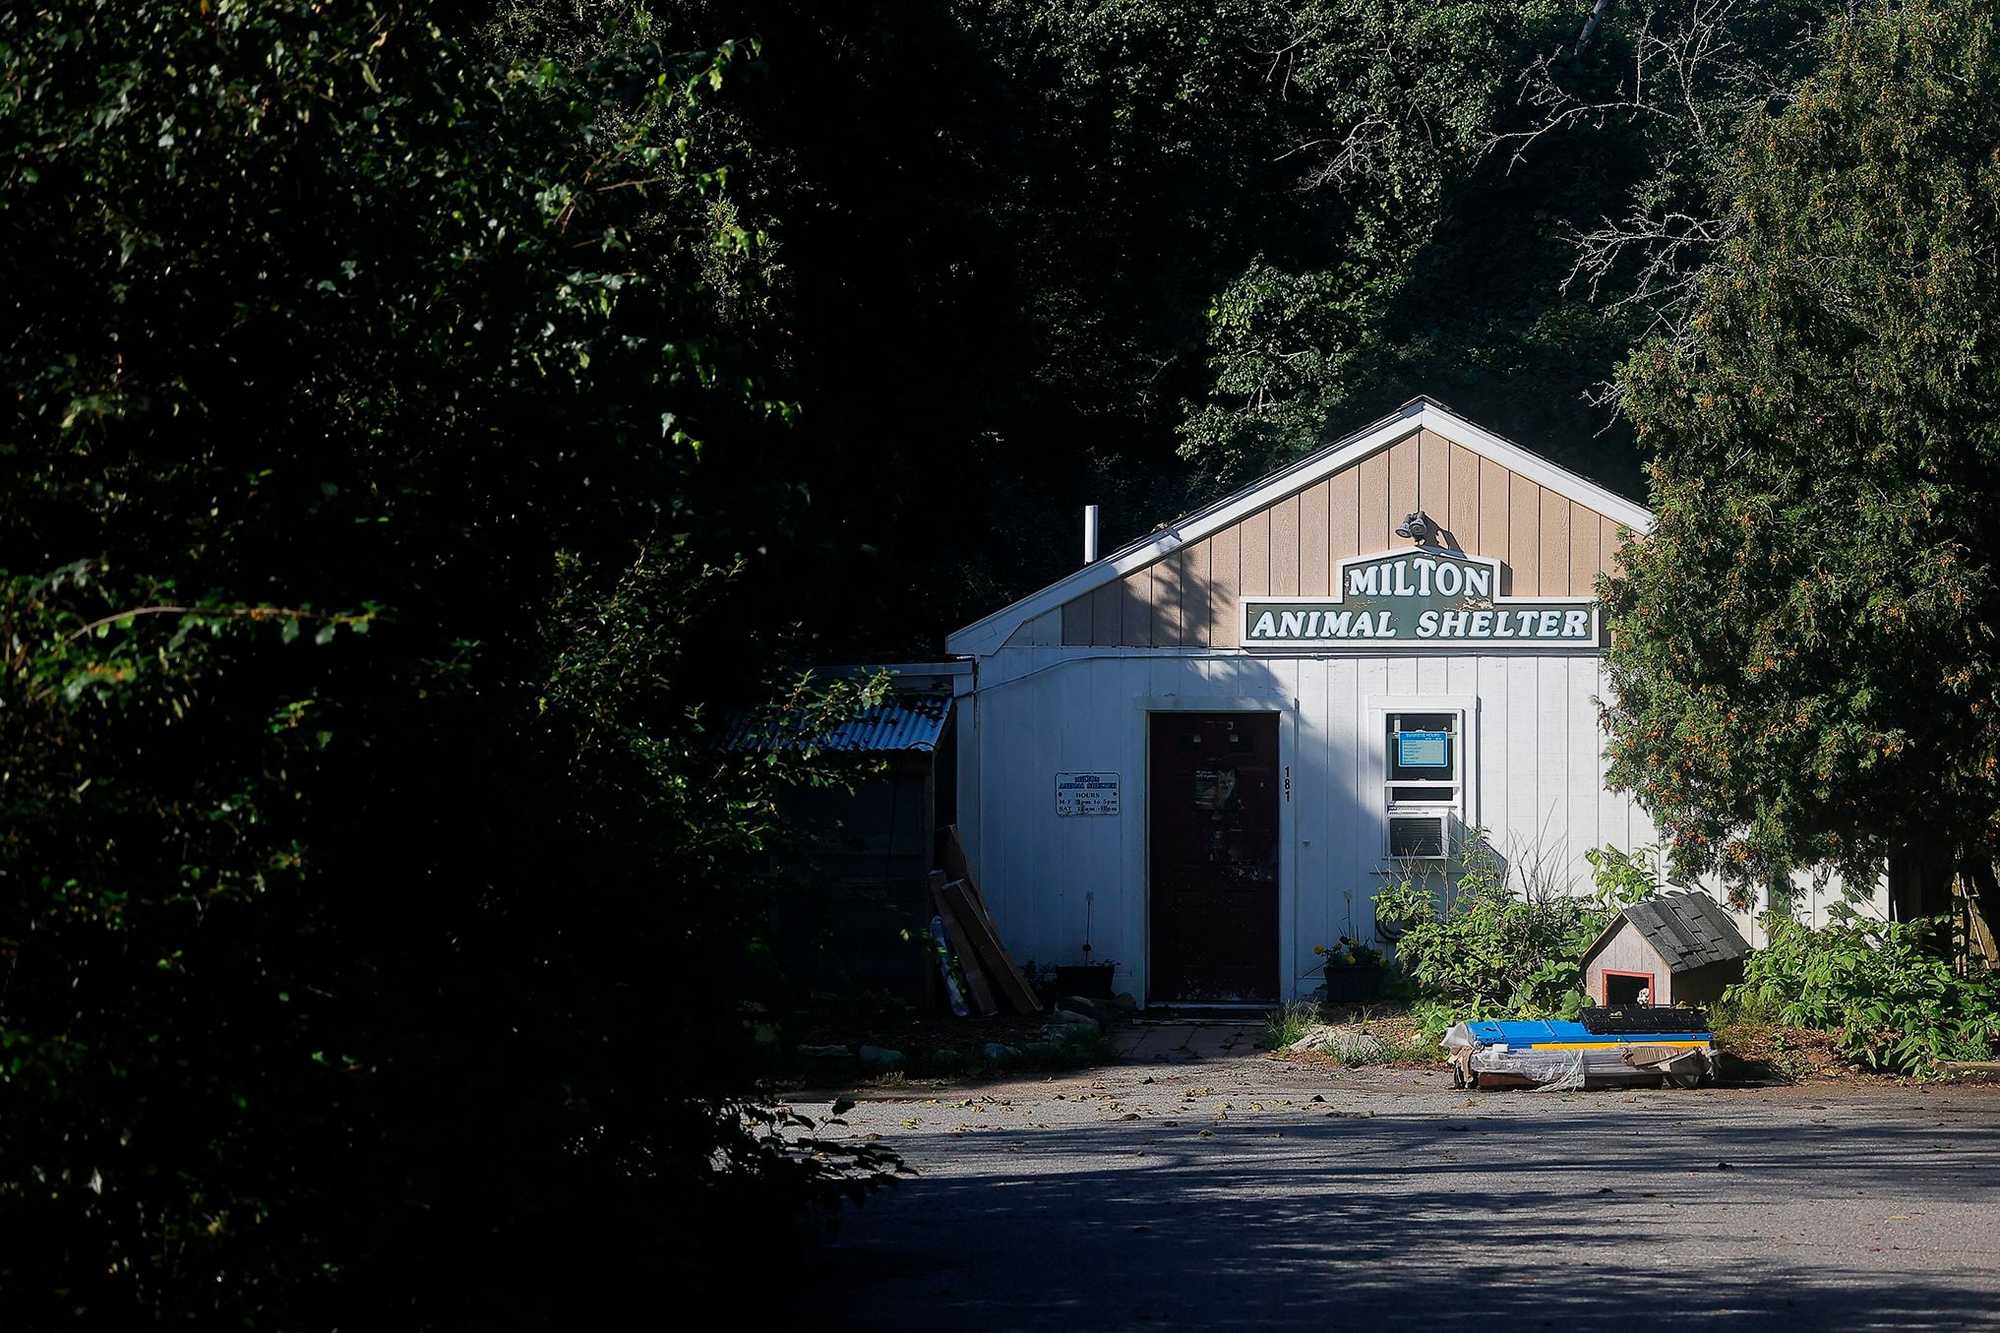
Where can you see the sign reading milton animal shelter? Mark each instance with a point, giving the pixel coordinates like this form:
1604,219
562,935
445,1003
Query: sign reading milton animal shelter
1420,599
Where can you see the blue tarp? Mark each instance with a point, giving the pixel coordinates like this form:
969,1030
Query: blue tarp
1532,1032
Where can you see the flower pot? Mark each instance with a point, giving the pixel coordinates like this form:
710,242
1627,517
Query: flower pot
1356,984
1090,980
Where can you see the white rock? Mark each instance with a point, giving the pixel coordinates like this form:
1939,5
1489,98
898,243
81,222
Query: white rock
1343,1042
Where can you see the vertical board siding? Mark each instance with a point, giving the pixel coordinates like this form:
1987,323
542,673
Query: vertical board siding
1254,556
1225,578
1524,535
1514,831
1106,623
1343,530
1372,503
1491,683
1403,459
1076,621
1550,546
1627,951
1494,484
1313,581
1586,756
1551,835
1197,584
1169,582
1353,909
1158,595
1044,631
1040,711
1434,476
1463,520
1285,547
1553,559
1366,830
1584,559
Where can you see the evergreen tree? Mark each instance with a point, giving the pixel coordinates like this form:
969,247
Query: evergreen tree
1803,658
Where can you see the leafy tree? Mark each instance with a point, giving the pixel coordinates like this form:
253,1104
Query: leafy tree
1410,255
1026,255
1803,658
378,902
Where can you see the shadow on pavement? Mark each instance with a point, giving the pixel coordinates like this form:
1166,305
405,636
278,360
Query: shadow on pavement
1431,1221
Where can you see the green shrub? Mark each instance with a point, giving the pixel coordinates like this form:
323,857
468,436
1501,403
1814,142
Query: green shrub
1435,1017
1891,994
1503,940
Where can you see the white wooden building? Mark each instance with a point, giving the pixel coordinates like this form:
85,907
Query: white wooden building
1204,753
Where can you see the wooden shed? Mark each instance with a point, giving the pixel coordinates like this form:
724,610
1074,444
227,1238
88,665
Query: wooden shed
1677,949
869,844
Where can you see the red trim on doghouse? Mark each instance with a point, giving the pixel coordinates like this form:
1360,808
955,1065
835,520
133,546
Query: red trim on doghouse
1652,996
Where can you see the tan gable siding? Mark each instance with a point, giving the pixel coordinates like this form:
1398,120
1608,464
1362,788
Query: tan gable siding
1551,545
1225,580
1313,547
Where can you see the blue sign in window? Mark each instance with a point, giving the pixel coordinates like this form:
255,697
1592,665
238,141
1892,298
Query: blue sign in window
1423,749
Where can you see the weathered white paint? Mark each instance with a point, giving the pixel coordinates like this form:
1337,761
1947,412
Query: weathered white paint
1040,710
1534,776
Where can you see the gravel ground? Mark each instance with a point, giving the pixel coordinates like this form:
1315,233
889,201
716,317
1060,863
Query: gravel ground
1205,1185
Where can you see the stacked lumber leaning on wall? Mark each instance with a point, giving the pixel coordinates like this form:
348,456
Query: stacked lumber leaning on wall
981,991
990,973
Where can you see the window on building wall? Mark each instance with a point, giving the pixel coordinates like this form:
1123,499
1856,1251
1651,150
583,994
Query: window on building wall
1424,778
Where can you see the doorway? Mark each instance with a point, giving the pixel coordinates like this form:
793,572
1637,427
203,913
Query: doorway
1212,820
1628,987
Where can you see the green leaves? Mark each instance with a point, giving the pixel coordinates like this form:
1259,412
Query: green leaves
1480,945
1802,656
319,317
1888,988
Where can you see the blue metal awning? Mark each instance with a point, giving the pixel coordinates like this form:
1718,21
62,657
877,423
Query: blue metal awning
901,723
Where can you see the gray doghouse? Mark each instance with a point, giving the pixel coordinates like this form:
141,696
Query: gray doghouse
1681,948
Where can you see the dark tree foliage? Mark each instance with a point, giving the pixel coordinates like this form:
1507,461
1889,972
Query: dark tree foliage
429,423
1803,653
376,902
1031,255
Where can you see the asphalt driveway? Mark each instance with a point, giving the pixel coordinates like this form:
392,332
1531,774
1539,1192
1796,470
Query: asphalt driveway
1204,1185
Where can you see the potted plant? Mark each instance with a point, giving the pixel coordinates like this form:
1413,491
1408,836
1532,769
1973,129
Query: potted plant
1091,980
1353,971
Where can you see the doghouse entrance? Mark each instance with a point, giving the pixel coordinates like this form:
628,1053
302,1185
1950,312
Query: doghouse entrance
1628,988
1213,819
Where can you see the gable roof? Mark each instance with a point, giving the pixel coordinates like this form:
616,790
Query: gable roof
1687,930
987,634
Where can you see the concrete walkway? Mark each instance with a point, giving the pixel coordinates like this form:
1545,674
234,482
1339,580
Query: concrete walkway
1203,1185
1171,1042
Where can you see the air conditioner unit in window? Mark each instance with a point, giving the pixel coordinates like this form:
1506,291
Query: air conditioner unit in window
1419,837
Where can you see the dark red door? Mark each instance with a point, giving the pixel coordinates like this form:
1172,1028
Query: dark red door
1213,818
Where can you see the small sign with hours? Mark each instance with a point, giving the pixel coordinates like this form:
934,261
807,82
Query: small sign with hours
1086,793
